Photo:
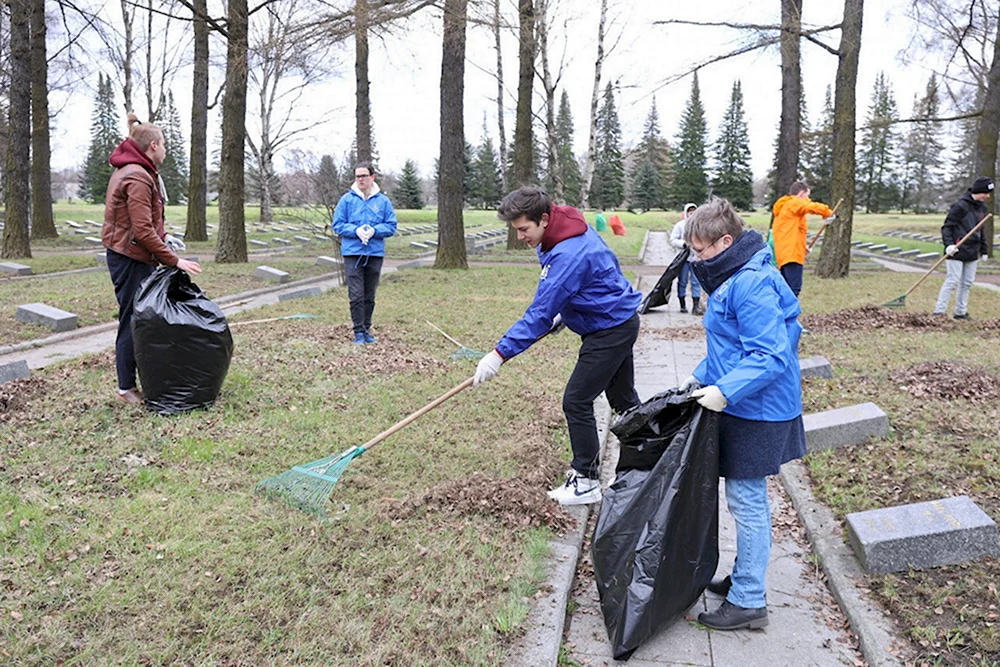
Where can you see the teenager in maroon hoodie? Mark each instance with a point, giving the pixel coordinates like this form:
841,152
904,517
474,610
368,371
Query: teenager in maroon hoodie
134,236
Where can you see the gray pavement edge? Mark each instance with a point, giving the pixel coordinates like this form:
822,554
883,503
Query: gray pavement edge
539,645
844,574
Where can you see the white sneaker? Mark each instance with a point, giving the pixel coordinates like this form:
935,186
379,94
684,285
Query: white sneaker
578,490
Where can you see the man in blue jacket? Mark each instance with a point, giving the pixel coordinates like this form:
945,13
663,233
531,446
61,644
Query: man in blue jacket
582,287
363,219
751,376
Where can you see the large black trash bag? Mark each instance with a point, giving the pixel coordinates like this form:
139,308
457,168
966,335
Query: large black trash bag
655,546
182,343
660,294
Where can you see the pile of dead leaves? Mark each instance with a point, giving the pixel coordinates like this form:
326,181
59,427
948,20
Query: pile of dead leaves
874,317
946,380
517,502
389,356
14,395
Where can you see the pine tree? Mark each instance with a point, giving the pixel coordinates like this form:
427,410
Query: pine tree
690,182
486,180
733,176
877,185
572,178
922,149
467,165
817,153
174,169
104,138
326,181
409,190
608,189
650,163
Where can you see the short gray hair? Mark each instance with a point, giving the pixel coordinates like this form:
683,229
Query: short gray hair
712,221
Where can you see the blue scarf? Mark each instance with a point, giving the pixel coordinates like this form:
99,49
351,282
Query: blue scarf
715,271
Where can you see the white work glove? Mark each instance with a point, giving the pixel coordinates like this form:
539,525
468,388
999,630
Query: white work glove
487,368
833,216
951,250
365,233
175,243
687,384
557,325
710,398
984,258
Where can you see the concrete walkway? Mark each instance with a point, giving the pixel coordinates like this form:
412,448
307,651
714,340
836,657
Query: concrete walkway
806,625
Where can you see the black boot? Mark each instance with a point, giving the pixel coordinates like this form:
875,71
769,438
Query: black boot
733,617
684,307
721,586
696,303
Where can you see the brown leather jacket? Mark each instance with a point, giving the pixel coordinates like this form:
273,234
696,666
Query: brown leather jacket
133,212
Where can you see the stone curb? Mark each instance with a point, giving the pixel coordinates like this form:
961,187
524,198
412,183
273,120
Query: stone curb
540,644
108,326
875,633
642,248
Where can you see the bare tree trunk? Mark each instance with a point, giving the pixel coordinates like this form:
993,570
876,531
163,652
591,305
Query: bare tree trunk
362,111
128,20
989,134
595,97
266,166
790,127
17,173
523,144
198,184
232,245
451,227
500,123
42,225
555,169
835,256
150,109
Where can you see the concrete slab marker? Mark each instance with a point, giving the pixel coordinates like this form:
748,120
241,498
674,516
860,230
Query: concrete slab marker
851,425
891,251
94,240
922,535
281,241
816,367
14,370
268,273
909,253
15,269
302,239
258,243
928,255
323,260
303,293
52,318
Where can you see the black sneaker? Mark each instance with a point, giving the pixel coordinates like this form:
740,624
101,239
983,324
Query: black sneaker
733,617
963,316
721,586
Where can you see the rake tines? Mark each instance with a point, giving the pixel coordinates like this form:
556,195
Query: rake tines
308,487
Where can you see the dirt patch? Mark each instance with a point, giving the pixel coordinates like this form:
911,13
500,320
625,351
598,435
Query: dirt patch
696,332
15,396
946,380
875,317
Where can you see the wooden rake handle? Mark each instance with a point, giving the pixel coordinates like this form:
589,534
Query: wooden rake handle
825,223
419,413
440,331
944,257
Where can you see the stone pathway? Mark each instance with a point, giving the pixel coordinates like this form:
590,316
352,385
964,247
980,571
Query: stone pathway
806,628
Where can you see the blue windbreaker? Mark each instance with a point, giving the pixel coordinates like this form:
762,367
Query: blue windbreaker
753,339
582,280
354,211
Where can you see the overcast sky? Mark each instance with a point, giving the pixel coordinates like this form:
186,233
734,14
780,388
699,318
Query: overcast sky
405,74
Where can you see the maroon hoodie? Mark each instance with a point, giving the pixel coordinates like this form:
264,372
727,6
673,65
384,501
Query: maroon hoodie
565,222
133,211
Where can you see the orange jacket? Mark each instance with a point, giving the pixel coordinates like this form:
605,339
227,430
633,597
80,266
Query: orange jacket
790,227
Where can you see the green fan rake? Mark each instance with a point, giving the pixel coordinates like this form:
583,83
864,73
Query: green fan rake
308,487
462,352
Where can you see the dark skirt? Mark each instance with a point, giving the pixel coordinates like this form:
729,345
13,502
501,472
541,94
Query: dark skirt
753,449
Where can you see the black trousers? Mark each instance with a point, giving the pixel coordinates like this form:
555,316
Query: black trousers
363,272
604,364
126,275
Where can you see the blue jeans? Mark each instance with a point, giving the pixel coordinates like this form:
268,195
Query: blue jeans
682,282
748,504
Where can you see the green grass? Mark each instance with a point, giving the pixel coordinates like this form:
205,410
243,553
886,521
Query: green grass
131,535
939,447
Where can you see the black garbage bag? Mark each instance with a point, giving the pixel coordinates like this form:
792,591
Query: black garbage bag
655,546
660,294
182,343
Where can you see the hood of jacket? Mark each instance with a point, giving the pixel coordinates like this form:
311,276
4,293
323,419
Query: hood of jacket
356,190
717,270
565,222
128,152
780,204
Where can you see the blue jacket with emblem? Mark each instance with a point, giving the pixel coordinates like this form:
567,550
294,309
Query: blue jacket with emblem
354,211
753,333
580,279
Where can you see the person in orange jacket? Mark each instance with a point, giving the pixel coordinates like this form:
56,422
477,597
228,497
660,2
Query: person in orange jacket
789,229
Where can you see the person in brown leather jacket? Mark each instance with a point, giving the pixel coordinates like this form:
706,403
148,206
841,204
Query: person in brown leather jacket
134,237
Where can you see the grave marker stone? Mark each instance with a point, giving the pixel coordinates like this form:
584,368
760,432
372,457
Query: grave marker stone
922,535
816,367
268,273
851,425
52,318
15,268
258,243
909,253
928,255
323,260
14,370
313,290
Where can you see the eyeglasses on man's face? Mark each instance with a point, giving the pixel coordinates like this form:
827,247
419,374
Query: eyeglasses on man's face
699,252
361,177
